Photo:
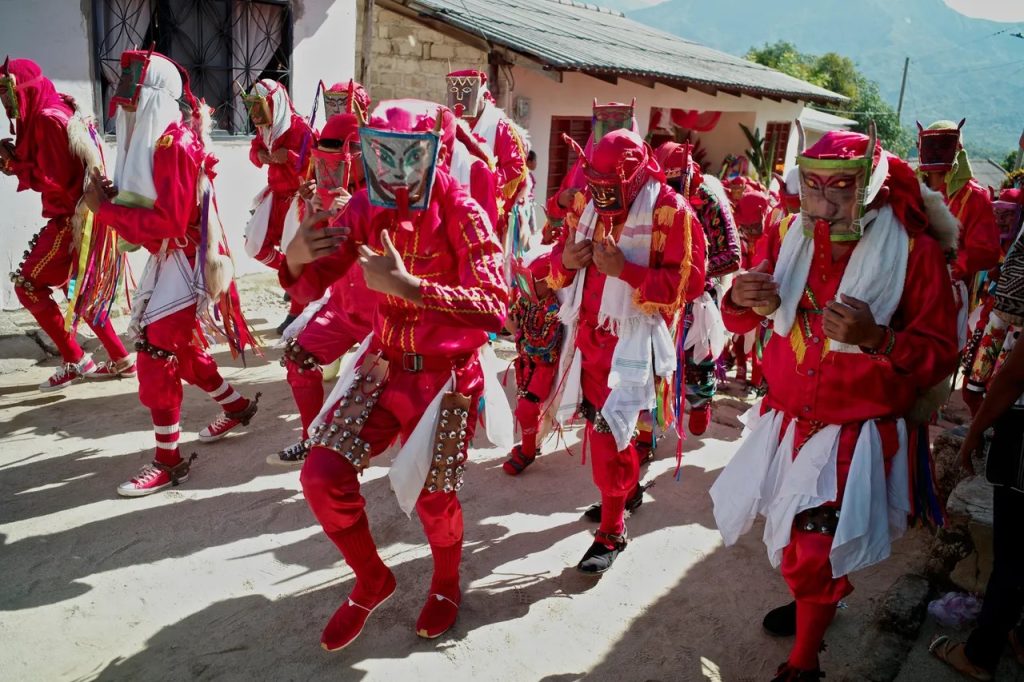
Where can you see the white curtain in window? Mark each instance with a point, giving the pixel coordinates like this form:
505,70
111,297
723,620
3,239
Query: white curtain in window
256,34
123,27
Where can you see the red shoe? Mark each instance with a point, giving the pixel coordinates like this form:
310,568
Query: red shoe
155,477
121,369
438,615
699,419
348,621
228,421
69,373
517,461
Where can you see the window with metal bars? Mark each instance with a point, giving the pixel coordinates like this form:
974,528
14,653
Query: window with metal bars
562,156
777,133
219,42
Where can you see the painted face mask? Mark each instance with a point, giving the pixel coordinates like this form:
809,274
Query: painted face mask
464,95
836,193
609,117
134,65
333,168
399,167
938,147
258,107
335,103
1007,215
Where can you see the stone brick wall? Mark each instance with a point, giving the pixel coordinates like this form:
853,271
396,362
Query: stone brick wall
410,59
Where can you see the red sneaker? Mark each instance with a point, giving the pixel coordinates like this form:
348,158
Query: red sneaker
228,421
69,373
348,621
121,369
438,615
699,419
155,477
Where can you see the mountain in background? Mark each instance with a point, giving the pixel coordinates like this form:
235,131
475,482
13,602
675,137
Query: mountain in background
958,68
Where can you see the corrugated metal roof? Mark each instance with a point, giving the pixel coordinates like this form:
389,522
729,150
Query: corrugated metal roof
573,36
822,121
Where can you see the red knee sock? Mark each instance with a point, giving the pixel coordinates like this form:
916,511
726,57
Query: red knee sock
230,400
308,390
812,620
613,509
107,335
360,552
52,322
167,431
446,571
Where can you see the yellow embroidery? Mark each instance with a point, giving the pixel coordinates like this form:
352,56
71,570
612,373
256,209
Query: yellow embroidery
579,202
164,142
665,216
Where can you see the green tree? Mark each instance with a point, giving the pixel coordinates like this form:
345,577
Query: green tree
840,75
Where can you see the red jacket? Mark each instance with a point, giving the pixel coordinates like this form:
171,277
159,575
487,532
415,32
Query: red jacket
807,381
177,159
285,178
450,249
49,167
978,246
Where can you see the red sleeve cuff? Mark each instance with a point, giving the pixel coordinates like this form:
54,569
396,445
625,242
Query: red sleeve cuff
633,274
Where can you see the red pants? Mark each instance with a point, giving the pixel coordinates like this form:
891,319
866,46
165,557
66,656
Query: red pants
534,381
160,378
47,266
616,472
330,483
328,336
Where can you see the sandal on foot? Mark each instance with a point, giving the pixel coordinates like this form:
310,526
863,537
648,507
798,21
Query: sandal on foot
517,461
953,654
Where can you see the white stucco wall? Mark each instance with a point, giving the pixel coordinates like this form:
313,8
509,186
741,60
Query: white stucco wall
61,42
574,97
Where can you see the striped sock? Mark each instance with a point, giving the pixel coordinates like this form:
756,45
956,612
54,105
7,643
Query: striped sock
230,399
167,431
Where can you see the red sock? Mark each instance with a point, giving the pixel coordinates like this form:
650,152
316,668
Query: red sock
446,570
107,335
52,322
308,390
812,620
613,509
360,552
167,432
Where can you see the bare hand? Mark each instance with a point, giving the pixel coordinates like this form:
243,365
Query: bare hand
608,258
567,196
7,156
341,199
263,155
852,322
972,444
279,156
577,255
755,288
98,191
386,273
307,190
312,241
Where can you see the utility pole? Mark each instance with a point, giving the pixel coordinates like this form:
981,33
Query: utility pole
903,89
367,46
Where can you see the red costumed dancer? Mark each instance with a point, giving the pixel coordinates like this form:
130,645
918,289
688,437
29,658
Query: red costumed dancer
162,201
346,317
533,318
430,253
751,212
863,323
53,147
469,98
632,255
283,143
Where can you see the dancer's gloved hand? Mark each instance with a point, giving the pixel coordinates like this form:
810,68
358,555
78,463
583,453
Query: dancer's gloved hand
312,241
386,272
7,156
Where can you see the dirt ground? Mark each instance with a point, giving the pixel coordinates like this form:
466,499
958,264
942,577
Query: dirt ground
229,577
